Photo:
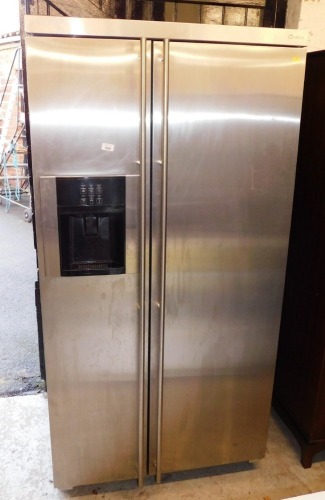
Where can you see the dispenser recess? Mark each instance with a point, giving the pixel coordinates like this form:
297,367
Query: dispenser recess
91,223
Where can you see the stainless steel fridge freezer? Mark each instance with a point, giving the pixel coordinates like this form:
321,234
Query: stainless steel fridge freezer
163,159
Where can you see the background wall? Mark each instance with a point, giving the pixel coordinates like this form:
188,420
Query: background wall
309,15
269,13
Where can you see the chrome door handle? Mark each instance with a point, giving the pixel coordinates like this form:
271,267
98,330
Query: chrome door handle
142,264
164,171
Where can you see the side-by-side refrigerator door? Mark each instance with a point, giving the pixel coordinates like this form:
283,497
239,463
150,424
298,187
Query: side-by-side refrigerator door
227,160
85,119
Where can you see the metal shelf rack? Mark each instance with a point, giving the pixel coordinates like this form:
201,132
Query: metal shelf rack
14,173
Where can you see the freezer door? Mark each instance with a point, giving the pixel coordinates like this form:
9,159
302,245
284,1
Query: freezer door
233,123
85,115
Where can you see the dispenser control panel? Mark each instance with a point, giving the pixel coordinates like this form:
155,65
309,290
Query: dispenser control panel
91,194
91,224
90,191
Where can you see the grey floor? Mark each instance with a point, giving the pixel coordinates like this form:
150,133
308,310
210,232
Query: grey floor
19,364
26,474
25,456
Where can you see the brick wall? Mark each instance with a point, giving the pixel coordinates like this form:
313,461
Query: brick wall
231,12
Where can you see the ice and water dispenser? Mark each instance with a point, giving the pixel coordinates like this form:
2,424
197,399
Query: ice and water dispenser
91,223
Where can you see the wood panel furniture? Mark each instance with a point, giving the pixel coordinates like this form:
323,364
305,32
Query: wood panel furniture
299,390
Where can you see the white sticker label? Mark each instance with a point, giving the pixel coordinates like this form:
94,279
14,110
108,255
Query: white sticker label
107,147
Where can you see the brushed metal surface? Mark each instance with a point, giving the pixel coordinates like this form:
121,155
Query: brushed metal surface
156,30
233,134
91,350
49,226
83,93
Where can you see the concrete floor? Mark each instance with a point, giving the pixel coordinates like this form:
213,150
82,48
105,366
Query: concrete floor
19,363
26,474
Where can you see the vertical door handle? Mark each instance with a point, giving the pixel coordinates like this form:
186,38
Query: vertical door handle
164,172
142,263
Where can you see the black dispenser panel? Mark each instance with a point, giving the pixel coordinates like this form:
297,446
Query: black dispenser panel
91,221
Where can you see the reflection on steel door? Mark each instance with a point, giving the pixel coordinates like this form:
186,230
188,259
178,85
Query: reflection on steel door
83,94
233,127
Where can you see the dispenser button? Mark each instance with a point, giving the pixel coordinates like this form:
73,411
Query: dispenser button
99,200
83,201
91,189
91,228
99,189
83,189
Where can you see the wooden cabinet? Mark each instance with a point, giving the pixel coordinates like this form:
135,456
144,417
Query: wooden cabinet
299,390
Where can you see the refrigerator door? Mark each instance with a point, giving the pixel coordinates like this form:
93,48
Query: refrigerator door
85,116
233,123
